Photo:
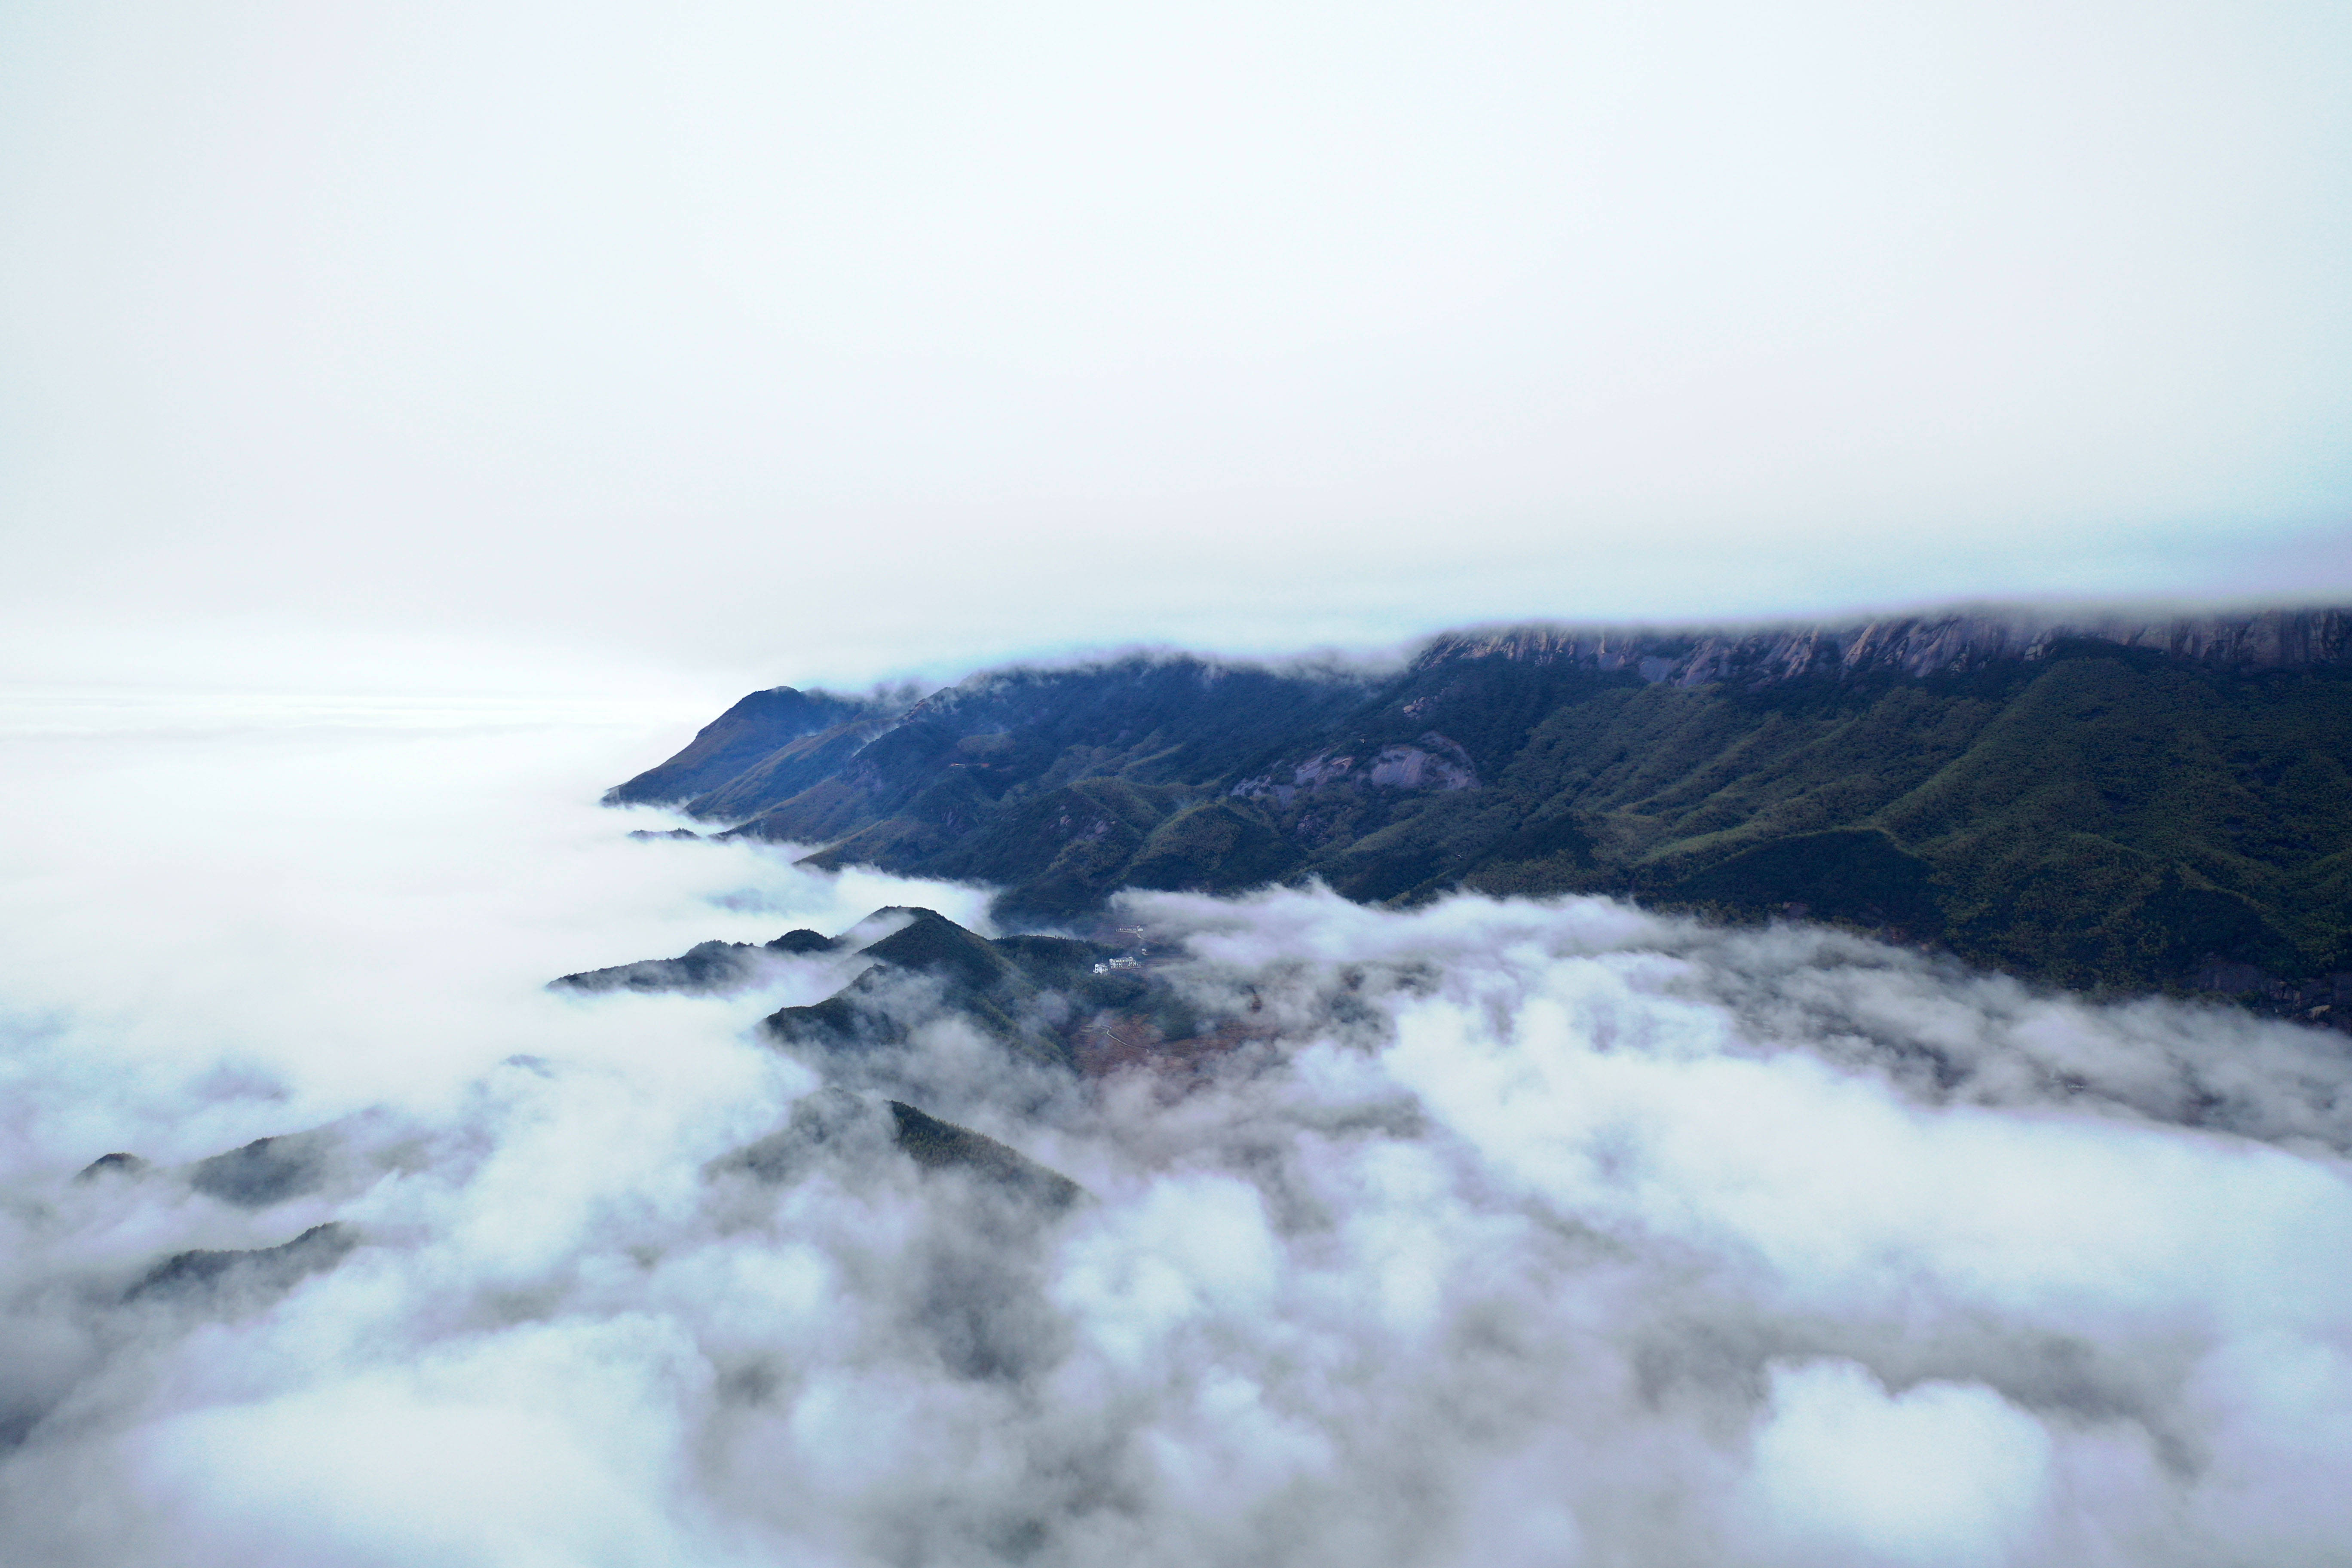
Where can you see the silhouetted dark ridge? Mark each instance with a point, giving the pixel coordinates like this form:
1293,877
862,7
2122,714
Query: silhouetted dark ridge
258,1273
753,729
943,1146
932,944
2099,799
834,1124
705,966
1060,1003
266,1171
998,989
114,1165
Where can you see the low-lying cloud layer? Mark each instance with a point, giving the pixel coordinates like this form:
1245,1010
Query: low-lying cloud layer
1502,1234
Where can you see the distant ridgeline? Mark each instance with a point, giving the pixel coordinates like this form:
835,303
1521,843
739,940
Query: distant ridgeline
2098,803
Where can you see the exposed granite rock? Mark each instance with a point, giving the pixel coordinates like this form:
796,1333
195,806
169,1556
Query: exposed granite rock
1431,762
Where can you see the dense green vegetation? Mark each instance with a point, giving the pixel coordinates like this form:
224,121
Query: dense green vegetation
2098,815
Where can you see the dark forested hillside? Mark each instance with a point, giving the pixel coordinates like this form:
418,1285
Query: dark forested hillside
2104,803
744,744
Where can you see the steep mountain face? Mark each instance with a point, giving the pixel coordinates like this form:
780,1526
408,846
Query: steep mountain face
2100,802
743,738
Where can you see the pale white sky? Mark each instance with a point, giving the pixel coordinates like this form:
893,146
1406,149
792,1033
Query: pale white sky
783,342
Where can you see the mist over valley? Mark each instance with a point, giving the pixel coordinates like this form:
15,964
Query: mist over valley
400,1170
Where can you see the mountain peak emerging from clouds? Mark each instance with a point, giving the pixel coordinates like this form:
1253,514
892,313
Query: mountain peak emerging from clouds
2094,799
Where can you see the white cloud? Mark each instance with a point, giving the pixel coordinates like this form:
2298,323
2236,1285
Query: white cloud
1543,1233
1940,1474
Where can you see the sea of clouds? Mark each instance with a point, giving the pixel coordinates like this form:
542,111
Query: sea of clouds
1510,1234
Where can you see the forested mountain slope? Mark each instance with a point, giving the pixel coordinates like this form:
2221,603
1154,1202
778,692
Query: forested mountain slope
2102,803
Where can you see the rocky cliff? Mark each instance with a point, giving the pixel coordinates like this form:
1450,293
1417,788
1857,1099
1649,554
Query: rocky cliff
1914,645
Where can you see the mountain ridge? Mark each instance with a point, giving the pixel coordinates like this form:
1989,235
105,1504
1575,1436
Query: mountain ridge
1916,645
2096,799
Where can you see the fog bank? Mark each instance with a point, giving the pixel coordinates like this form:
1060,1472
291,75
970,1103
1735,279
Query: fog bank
1503,1233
